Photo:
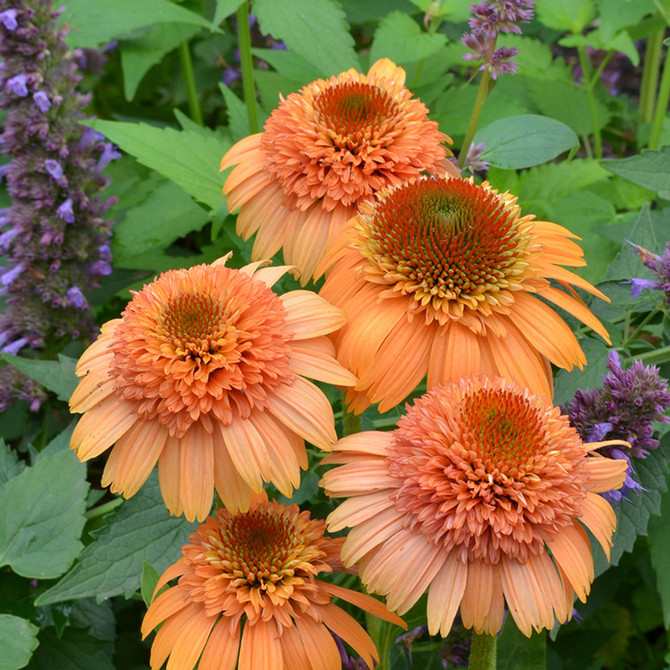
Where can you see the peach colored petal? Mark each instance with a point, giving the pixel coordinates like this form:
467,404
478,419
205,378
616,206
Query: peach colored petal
189,643
93,387
221,649
165,605
310,361
351,632
478,594
599,517
309,315
165,638
169,475
260,649
577,309
454,353
247,451
293,650
263,207
196,483
247,190
364,601
571,550
520,596
371,534
232,489
387,69
240,150
354,511
605,473
445,594
319,645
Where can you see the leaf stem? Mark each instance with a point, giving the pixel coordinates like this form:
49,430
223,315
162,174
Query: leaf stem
482,94
483,652
587,85
654,357
191,90
106,508
661,105
652,62
633,336
246,63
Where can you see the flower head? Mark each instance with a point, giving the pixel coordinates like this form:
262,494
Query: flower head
445,277
248,585
479,479
323,151
203,373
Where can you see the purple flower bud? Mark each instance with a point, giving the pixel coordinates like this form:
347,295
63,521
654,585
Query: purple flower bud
11,274
15,346
42,101
17,85
89,136
8,19
639,285
76,297
54,168
105,252
6,238
109,153
598,432
65,211
101,269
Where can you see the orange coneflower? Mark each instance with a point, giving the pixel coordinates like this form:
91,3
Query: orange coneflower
322,152
204,374
445,277
479,482
249,586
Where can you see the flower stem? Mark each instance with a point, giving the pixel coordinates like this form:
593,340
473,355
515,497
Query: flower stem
654,357
652,62
483,652
476,113
106,508
191,90
633,336
244,40
661,105
383,635
588,89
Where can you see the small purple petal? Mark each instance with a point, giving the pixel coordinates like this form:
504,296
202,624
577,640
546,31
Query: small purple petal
639,285
8,19
17,85
65,211
109,153
101,269
10,275
54,168
76,298
15,346
598,432
42,101
7,237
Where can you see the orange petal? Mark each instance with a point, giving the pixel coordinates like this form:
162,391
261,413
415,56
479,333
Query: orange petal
221,649
247,452
351,632
445,594
309,315
309,359
240,150
599,517
319,644
571,550
232,489
605,474
260,649
196,485
169,475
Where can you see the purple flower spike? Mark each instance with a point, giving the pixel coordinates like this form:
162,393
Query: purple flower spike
8,19
76,298
42,101
109,153
599,431
10,275
54,168
65,211
18,85
7,237
639,285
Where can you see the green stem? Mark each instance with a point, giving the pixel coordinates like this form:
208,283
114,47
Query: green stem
474,120
655,357
383,635
106,508
191,90
247,65
483,652
588,89
652,64
661,105
633,336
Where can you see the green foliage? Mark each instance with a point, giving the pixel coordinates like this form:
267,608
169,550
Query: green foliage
43,516
401,39
73,650
150,578
58,376
515,650
18,641
569,15
523,141
659,545
142,530
650,169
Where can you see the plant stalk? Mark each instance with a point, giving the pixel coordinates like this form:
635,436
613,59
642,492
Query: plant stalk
661,105
588,88
246,63
483,652
191,90
649,83
482,94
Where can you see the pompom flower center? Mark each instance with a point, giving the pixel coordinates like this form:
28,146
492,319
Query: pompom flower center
206,340
487,468
448,243
264,555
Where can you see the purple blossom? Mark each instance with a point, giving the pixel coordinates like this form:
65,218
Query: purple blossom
348,662
639,285
76,298
473,161
10,275
6,238
17,85
109,153
54,168
65,211
660,268
15,385
8,19
15,346
42,101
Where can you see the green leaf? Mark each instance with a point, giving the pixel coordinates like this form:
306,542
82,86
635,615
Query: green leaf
238,121
650,169
140,54
315,29
401,39
596,351
614,15
659,546
166,215
523,141
621,42
224,9
150,577
535,59
516,651
142,530
74,650
10,465
18,641
58,376
59,443
43,517
289,64
567,16
95,22
627,263
186,157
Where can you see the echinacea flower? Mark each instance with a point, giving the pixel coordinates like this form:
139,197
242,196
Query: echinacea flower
323,151
477,484
204,374
249,586
446,277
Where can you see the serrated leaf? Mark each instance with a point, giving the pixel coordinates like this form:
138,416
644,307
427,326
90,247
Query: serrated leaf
95,22
10,465
185,157
650,169
596,351
18,641
59,443
224,9
289,64
614,15
627,263
150,577
58,376
142,530
659,547
166,215
238,121
74,650
621,42
315,29
401,39
523,141
516,651
140,54
535,59
567,16
43,517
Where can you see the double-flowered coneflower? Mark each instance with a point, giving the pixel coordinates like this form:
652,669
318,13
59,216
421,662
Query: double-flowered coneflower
54,234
